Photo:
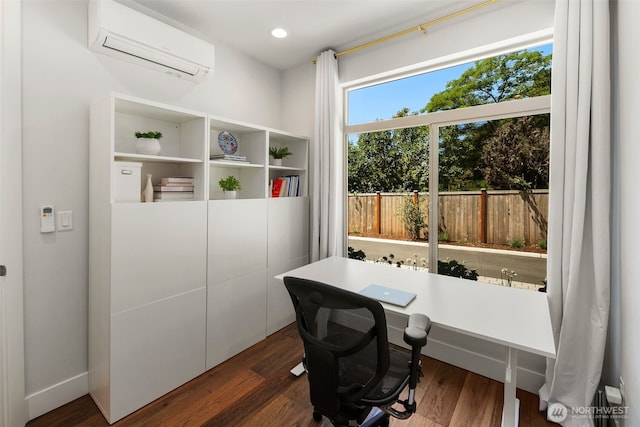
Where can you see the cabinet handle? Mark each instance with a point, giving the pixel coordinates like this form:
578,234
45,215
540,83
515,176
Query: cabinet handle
3,270
126,172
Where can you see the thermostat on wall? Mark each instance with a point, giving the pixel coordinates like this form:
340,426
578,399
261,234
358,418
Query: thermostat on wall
47,219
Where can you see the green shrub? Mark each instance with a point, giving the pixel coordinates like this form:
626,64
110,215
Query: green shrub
516,243
353,254
412,217
542,244
443,236
455,269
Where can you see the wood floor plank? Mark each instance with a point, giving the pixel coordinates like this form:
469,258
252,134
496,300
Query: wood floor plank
530,415
441,395
189,407
476,403
255,388
416,420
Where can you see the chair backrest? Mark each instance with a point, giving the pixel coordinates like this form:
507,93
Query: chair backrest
345,341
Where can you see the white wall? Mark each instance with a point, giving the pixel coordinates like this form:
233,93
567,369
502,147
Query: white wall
61,78
625,288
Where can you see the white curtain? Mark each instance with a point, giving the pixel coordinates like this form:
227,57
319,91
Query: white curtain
578,265
328,182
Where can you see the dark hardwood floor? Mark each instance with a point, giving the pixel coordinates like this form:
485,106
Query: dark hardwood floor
255,388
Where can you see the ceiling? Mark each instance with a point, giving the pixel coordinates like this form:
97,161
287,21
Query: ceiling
313,25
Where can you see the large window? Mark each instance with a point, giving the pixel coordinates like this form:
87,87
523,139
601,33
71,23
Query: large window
483,214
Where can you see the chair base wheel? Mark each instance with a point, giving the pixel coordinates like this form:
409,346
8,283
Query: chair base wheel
317,416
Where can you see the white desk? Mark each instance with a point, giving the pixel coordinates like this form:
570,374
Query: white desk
516,318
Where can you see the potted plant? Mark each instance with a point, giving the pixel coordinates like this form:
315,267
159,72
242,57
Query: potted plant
279,153
229,186
148,143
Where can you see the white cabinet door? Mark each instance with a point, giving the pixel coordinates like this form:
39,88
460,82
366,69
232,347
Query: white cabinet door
288,248
236,277
288,229
237,238
156,348
158,251
236,313
279,307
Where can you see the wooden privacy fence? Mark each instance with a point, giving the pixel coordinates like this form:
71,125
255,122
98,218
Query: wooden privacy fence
496,216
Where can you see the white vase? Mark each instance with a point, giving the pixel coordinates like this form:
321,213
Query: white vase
147,194
148,146
276,162
230,194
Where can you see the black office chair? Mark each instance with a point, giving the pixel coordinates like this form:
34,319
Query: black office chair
351,367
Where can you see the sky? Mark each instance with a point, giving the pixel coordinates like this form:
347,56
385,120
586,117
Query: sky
383,101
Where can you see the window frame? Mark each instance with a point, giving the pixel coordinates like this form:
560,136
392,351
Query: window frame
436,120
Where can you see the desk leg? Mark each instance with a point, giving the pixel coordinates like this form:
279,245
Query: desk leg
511,408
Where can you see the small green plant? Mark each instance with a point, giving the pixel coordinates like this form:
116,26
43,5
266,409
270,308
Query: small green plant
230,183
516,243
507,275
542,244
443,236
279,152
353,254
455,269
356,231
149,135
412,217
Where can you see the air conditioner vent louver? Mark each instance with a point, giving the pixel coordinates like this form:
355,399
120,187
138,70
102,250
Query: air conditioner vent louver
158,58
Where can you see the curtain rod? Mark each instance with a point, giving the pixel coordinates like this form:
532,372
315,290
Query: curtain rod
421,27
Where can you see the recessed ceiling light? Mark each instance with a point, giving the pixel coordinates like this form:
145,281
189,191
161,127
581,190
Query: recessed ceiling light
279,33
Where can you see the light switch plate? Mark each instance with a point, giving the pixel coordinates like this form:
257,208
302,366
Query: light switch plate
65,220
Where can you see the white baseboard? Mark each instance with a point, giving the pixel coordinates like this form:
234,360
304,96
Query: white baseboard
50,398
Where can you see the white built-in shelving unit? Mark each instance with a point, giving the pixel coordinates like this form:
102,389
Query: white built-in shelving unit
178,287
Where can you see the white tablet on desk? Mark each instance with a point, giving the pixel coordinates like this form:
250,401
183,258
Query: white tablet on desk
388,295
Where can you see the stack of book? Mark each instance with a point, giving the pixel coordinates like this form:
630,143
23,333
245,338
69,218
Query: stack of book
172,189
229,157
286,186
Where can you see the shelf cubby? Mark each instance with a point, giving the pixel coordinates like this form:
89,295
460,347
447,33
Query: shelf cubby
183,135
295,164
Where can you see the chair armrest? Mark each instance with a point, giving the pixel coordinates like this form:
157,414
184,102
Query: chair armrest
415,334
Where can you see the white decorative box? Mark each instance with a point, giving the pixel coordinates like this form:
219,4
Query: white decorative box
126,181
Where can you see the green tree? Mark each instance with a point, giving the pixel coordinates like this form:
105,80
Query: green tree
398,160
501,78
395,160
517,156
511,76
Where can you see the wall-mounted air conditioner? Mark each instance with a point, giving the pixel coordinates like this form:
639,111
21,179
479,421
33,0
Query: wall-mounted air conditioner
120,31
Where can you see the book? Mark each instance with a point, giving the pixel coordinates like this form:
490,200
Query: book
174,196
171,188
285,186
177,180
232,157
275,188
284,189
